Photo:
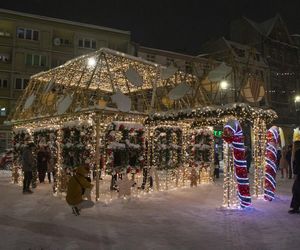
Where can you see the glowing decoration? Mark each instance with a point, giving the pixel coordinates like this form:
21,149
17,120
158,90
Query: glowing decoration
201,151
102,104
122,101
134,77
296,135
29,102
282,139
259,142
91,62
124,186
167,101
271,159
233,135
224,85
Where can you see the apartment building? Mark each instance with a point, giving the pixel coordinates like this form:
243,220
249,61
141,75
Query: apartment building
30,44
280,50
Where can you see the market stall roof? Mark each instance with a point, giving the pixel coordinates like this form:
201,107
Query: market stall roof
213,114
94,80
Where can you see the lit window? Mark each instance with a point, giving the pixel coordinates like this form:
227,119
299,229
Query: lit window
2,111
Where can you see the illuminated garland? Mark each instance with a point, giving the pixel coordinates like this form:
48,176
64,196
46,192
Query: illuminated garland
212,114
201,145
167,147
201,152
77,143
233,135
271,159
130,147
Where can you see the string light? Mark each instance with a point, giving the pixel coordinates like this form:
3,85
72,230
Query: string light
273,140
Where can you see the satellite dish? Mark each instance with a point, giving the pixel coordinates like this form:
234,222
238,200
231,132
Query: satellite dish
29,102
168,72
63,104
179,91
123,102
134,77
56,41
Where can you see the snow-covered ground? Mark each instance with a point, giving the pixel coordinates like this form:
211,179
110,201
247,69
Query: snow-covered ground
182,219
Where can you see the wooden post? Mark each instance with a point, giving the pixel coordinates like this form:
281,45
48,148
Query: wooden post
97,157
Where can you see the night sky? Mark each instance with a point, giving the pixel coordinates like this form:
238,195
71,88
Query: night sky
172,25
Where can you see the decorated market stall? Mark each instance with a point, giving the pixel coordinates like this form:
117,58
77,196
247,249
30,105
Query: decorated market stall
196,125
91,110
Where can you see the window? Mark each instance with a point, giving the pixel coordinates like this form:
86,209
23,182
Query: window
36,60
3,83
87,43
150,58
28,34
170,61
188,67
239,52
4,57
3,111
21,83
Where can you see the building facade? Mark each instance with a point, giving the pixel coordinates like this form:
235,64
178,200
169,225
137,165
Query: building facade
194,65
280,50
30,44
250,75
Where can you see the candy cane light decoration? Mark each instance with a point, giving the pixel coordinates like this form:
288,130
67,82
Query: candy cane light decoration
233,135
273,140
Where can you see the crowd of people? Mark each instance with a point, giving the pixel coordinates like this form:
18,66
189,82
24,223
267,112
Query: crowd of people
44,162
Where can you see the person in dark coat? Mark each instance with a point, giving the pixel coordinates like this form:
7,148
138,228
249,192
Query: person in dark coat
248,158
42,161
27,167
217,165
289,158
295,204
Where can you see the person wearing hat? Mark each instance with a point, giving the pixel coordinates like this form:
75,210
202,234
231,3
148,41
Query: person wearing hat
27,167
295,203
76,188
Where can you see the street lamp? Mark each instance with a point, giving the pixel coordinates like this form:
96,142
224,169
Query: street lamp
297,102
223,85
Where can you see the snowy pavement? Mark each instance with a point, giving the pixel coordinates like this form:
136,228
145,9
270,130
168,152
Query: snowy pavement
182,219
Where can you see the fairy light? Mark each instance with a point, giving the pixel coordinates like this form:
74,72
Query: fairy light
273,140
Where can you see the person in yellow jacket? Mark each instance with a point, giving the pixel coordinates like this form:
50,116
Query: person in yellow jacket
77,185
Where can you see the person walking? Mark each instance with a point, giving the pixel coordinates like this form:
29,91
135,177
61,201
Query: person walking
295,203
50,165
283,163
27,167
77,185
42,159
